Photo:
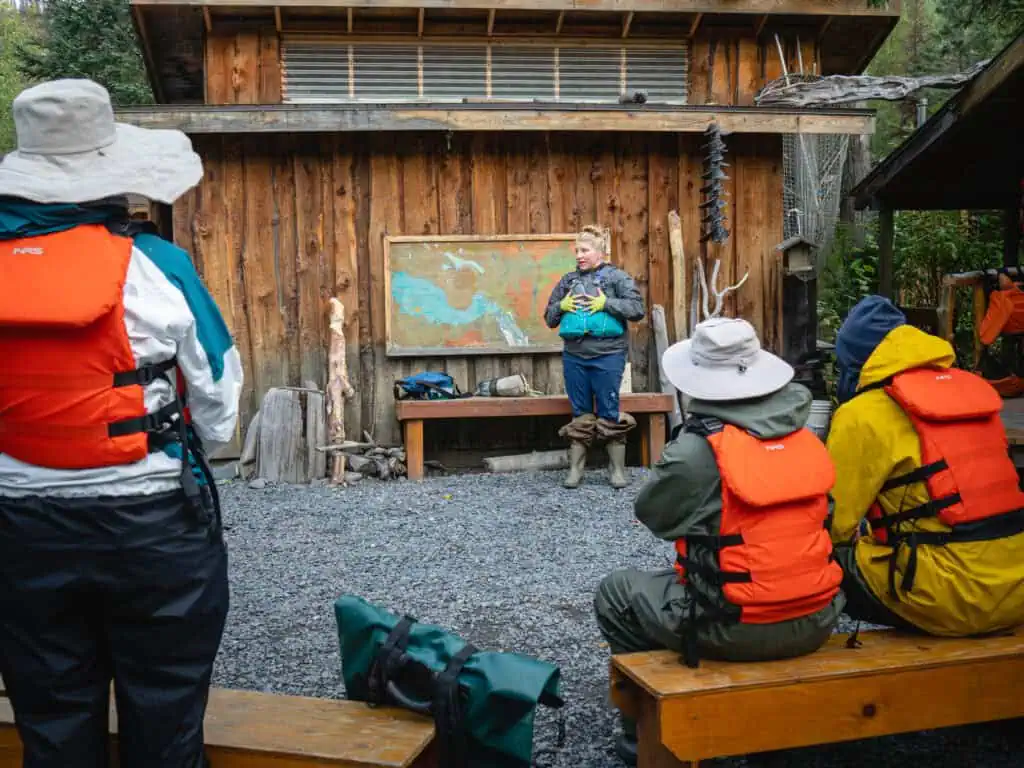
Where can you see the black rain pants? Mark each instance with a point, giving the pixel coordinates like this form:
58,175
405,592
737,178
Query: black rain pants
131,589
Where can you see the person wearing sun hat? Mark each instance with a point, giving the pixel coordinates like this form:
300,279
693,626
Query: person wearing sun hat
119,373
743,449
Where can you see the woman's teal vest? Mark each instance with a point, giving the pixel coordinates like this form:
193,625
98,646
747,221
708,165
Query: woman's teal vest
576,325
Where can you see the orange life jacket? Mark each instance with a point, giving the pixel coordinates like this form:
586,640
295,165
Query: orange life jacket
775,558
1005,314
71,396
972,483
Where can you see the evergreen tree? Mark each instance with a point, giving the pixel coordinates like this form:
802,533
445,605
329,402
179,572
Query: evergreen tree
15,31
94,39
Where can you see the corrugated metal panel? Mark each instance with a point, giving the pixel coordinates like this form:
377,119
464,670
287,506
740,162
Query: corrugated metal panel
452,73
661,72
589,74
522,73
317,69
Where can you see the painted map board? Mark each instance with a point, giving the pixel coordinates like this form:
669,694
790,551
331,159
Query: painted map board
472,294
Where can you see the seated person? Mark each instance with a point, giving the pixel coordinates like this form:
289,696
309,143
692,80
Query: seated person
929,515
744,466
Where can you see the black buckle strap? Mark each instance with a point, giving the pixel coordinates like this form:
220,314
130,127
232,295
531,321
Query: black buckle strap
145,374
387,661
157,421
999,527
714,576
928,509
705,426
714,542
449,710
916,476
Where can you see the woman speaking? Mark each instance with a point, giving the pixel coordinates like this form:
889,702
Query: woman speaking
591,307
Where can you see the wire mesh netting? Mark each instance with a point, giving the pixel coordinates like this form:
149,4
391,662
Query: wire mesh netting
812,167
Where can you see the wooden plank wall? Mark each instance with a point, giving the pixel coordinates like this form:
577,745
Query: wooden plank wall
281,224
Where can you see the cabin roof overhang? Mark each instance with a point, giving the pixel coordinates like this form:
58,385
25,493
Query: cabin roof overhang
333,118
171,32
967,156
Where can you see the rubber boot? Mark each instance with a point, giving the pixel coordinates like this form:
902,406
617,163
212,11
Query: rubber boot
577,462
617,465
625,743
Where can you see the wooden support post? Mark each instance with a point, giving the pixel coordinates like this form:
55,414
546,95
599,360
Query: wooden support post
559,23
421,19
652,438
978,313
278,22
651,753
491,14
414,448
339,388
207,20
886,232
679,290
627,22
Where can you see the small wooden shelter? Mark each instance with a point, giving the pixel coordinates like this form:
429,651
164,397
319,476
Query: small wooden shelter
967,156
333,131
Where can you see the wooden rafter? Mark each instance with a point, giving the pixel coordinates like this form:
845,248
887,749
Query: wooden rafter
780,7
760,25
350,20
491,14
695,24
139,20
277,19
627,22
207,21
560,23
824,27
420,21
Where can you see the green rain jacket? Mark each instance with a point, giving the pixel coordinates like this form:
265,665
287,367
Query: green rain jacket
684,496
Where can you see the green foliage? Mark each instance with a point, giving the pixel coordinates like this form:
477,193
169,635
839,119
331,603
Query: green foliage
94,39
927,245
15,31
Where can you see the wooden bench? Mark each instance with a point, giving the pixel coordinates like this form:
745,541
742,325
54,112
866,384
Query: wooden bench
259,730
649,408
893,683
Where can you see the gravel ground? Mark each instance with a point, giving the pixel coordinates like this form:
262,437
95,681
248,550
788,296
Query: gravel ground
508,561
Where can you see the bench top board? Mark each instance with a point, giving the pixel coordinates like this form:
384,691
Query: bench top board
542,405
333,732
663,675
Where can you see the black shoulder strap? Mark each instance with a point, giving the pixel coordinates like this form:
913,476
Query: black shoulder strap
131,227
387,661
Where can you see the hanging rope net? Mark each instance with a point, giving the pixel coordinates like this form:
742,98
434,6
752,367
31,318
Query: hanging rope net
812,167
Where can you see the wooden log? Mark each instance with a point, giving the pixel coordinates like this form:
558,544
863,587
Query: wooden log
675,243
292,424
247,461
339,389
527,462
675,418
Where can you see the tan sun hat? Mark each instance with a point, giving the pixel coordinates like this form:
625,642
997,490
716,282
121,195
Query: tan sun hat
70,150
724,361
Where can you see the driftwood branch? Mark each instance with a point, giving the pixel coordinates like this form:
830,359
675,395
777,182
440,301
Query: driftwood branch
339,389
708,290
842,89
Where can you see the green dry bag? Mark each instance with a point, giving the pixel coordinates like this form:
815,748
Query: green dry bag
482,702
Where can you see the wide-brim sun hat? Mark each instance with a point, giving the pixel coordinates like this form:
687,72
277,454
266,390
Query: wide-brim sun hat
71,150
724,361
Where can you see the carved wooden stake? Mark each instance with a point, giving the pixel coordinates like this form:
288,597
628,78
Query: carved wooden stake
338,388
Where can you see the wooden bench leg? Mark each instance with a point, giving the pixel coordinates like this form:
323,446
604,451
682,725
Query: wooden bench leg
651,753
414,448
652,436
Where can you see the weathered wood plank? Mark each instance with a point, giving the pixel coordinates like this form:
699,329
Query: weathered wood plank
331,118
663,196
631,156
518,213
309,260
270,67
386,217
262,258
244,729
455,211
498,407
752,250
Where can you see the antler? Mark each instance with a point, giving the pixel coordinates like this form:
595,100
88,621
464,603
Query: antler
719,295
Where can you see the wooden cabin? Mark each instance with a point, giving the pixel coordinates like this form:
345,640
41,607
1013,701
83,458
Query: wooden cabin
329,128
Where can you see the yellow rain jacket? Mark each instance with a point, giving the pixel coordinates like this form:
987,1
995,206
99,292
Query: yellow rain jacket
963,588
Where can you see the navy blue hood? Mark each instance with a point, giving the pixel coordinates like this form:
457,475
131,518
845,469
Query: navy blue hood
868,323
